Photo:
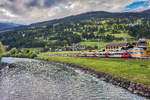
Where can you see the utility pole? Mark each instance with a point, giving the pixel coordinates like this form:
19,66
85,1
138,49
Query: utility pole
73,49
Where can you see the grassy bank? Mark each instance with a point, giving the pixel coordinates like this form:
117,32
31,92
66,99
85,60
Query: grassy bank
137,71
63,52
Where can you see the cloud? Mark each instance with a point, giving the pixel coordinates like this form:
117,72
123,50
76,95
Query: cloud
31,11
7,13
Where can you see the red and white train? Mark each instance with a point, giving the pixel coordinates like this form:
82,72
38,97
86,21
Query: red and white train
107,54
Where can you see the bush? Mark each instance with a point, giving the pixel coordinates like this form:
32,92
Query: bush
13,51
21,54
148,49
1,50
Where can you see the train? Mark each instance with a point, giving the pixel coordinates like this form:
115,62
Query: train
138,52
132,53
107,54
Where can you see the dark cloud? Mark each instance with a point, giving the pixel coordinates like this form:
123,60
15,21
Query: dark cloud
33,3
45,3
49,3
12,0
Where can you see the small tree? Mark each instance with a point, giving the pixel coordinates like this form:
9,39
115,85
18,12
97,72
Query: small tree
148,49
13,51
1,49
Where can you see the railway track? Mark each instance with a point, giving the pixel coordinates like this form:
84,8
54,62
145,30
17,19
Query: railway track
136,59
114,58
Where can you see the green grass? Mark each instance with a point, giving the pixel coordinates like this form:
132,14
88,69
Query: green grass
121,35
137,71
33,49
93,44
61,52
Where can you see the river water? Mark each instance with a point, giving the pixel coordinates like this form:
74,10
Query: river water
42,80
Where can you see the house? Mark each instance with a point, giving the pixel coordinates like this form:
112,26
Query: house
75,48
142,44
80,47
116,46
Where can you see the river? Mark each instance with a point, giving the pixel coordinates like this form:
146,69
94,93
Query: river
43,80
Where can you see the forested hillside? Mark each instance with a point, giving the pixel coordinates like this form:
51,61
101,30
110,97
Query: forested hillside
74,29
4,26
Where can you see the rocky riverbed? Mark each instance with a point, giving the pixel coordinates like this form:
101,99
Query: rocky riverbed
27,79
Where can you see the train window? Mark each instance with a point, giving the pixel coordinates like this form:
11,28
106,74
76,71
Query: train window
135,53
141,53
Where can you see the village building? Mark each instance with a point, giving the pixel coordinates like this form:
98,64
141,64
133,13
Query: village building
142,44
116,46
80,47
72,48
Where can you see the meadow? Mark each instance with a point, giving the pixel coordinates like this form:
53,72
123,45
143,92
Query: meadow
136,71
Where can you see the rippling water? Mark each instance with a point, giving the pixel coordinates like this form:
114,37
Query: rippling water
41,80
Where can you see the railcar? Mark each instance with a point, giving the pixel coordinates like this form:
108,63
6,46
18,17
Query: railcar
85,54
137,52
107,54
117,54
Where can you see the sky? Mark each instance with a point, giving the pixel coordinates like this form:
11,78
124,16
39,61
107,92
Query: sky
32,11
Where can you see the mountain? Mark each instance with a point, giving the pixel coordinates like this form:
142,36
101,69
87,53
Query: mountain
80,17
4,26
77,28
90,16
147,11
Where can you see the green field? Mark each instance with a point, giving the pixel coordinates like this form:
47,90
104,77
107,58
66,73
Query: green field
33,49
120,35
137,71
61,52
93,44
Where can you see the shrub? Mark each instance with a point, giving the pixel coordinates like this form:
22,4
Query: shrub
1,49
21,54
148,47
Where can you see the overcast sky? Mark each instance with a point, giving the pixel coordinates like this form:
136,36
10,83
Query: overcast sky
31,11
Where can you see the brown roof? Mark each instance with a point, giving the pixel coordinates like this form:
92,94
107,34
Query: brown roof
122,44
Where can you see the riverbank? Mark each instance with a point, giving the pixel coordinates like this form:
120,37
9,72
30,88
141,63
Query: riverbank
3,65
131,75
